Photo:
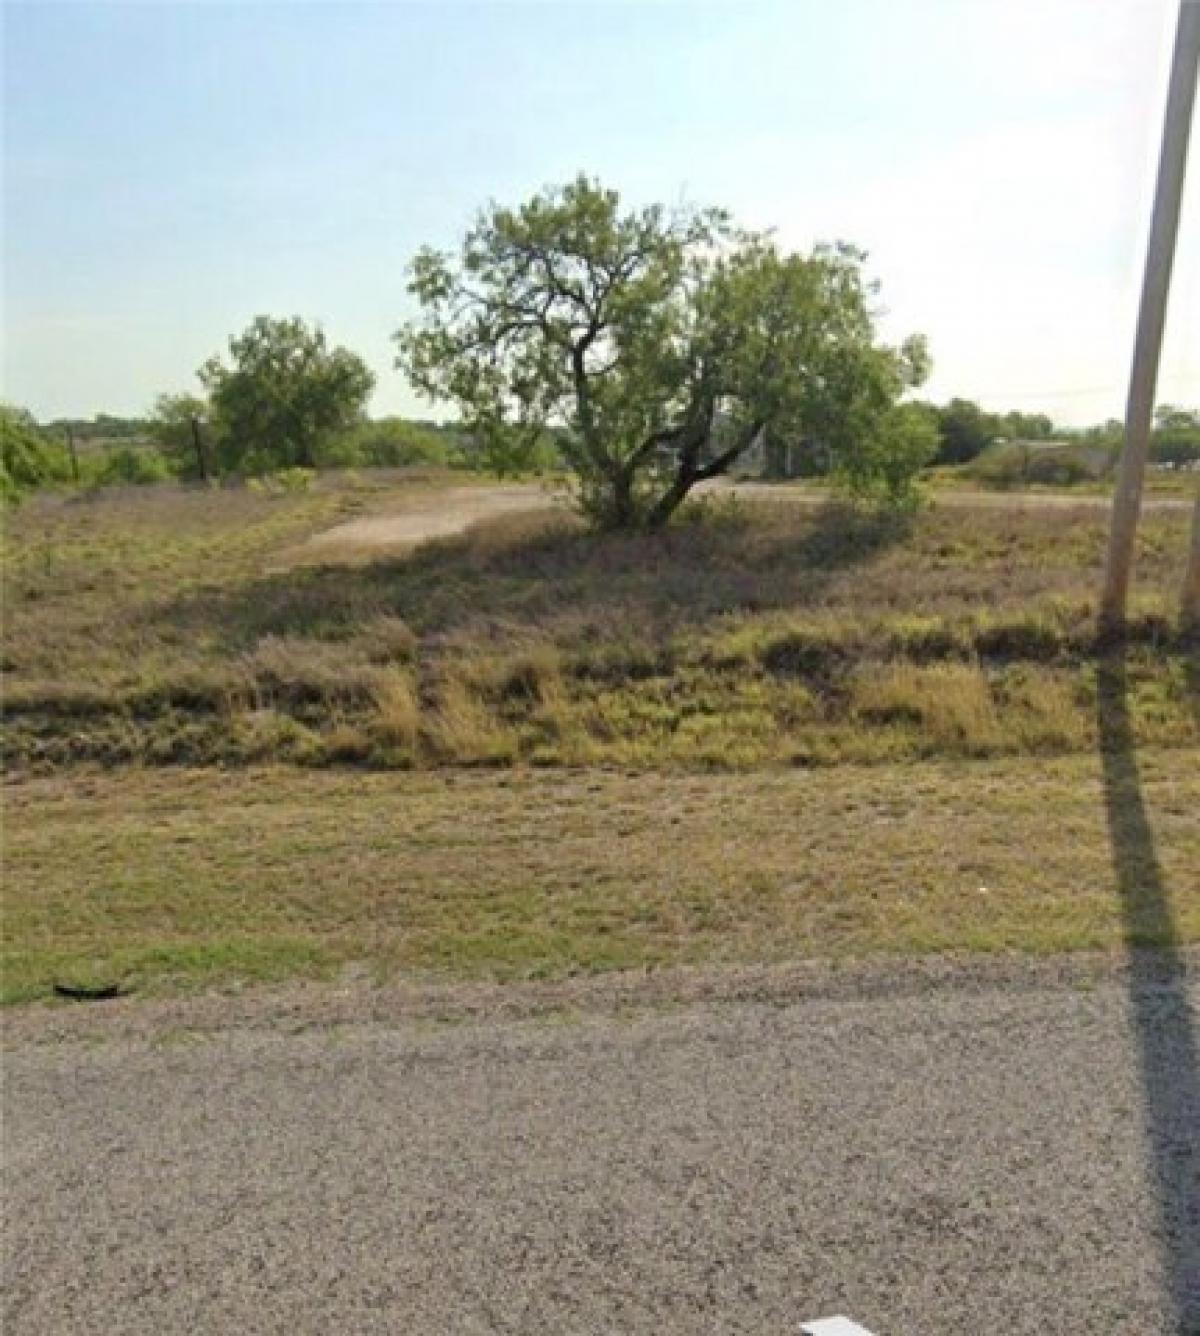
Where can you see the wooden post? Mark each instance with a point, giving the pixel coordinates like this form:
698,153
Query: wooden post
1160,253
74,455
1190,605
198,442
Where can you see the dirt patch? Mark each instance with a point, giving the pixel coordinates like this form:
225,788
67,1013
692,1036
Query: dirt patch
444,514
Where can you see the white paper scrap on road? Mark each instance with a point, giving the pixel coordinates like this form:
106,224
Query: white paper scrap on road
833,1326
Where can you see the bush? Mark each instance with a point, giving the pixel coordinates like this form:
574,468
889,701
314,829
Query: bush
887,469
1016,464
1057,470
1000,466
27,458
284,480
129,465
388,443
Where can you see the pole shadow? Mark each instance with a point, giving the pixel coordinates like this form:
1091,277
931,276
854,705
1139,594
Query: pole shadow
1191,671
1161,1014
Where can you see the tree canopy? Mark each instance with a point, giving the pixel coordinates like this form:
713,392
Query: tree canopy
657,346
964,430
1176,436
285,394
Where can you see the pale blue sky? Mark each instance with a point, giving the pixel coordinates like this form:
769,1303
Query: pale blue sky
172,169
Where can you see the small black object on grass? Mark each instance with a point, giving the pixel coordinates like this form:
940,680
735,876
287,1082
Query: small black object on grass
89,993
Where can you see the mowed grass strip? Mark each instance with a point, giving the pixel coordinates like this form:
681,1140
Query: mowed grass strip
173,879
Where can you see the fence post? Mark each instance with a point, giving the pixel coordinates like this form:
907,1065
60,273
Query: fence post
74,455
198,442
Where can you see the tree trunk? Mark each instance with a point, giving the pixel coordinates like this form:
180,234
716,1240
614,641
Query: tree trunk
670,501
624,509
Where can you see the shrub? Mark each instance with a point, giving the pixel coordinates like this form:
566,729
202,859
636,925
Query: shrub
27,458
294,479
1057,470
388,443
129,465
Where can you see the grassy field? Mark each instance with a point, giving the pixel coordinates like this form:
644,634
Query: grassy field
777,731
164,626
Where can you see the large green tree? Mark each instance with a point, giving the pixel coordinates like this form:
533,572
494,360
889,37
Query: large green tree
656,347
284,395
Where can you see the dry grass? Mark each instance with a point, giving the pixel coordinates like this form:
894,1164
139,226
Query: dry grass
168,626
397,719
181,878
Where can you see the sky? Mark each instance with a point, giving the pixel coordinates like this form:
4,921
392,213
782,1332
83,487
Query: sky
171,170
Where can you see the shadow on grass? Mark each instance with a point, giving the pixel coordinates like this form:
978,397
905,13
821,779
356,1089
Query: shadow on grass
1191,671
1165,1028
531,572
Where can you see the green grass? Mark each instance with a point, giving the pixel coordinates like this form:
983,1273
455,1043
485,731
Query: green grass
183,627
177,879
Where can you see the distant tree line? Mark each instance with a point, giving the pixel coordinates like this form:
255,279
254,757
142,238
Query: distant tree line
965,431
640,352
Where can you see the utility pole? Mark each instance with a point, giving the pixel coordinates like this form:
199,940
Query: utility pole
1164,225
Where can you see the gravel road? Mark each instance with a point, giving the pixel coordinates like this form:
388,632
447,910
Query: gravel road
957,1156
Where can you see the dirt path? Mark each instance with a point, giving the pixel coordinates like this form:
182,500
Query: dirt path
445,513
438,514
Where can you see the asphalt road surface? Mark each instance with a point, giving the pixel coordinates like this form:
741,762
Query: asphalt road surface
1009,1157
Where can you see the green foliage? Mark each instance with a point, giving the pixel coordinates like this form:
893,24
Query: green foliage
285,480
888,462
653,347
128,465
28,459
1057,468
388,443
1051,464
965,431
1176,436
284,397
174,426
